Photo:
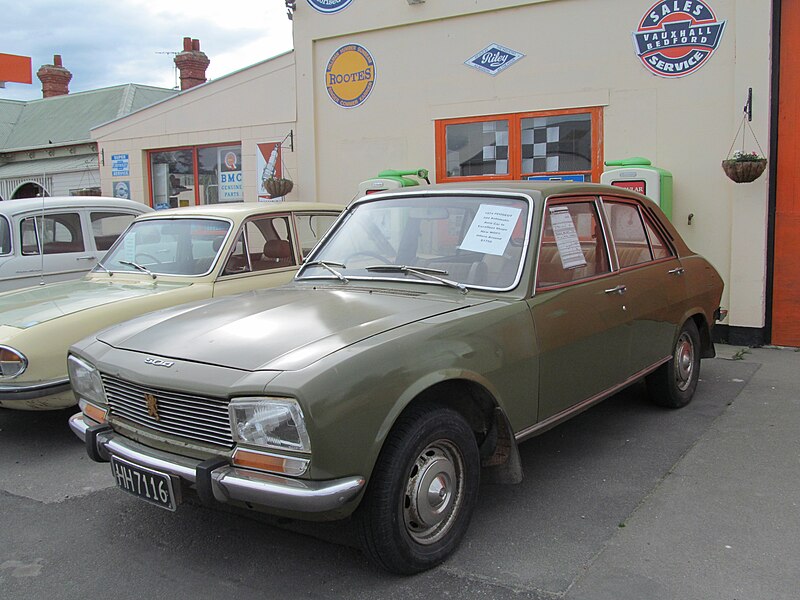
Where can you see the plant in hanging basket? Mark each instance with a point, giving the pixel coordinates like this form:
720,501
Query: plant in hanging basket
278,186
744,167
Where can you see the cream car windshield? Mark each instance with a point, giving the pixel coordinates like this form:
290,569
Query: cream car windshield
475,241
185,246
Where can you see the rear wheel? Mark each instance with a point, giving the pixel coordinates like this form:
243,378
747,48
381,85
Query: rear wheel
422,493
674,383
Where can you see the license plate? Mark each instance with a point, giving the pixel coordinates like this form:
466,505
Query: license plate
144,483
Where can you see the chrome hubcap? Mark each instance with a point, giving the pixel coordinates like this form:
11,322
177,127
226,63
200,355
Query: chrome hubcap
684,361
433,492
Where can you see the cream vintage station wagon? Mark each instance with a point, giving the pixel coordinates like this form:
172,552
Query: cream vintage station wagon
164,258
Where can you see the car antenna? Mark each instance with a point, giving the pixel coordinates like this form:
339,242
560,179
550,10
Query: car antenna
39,239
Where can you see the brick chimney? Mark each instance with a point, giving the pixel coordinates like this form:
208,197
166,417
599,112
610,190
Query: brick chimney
192,64
55,78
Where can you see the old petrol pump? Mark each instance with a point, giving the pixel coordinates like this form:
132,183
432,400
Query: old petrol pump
638,174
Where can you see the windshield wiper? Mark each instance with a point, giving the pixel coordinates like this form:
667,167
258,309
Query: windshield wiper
327,266
102,266
138,267
424,272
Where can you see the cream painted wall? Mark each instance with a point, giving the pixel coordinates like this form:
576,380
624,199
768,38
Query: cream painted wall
250,106
578,53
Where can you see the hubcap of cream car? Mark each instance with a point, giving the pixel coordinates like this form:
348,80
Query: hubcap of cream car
684,361
433,492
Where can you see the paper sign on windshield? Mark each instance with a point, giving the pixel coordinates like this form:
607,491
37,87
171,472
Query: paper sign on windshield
491,229
569,246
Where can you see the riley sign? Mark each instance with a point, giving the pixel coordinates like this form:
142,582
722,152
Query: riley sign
493,59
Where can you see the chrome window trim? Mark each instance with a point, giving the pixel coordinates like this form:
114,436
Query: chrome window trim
10,236
485,193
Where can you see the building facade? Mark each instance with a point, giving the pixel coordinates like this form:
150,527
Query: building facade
510,89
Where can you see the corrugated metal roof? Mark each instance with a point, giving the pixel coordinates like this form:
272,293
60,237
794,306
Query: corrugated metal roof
49,166
67,119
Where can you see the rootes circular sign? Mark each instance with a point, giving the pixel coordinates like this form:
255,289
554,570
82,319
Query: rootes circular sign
350,75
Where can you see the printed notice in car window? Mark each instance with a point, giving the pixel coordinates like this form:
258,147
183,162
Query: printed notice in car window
569,246
491,229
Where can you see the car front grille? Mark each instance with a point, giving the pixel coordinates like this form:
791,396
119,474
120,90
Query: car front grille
199,418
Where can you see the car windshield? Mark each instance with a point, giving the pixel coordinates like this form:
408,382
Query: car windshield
183,246
457,240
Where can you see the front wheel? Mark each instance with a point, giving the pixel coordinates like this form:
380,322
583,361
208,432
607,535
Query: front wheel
422,493
674,383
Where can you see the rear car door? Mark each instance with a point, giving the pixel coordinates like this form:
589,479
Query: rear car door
652,275
578,308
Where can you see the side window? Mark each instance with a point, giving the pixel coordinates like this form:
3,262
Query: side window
264,244
572,246
58,233
107,226
311,228
630,238
658,246
5,236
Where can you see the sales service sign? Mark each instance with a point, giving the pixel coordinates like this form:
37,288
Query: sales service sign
329,6
677,37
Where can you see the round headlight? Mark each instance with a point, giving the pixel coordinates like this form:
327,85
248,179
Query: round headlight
12,363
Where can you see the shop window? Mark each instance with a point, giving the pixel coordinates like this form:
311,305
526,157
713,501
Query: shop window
197,175
553,144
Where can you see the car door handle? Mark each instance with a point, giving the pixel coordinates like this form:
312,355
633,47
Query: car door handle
677,271
620,289
86,258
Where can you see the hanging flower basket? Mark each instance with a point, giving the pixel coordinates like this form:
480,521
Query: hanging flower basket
278,186
744,170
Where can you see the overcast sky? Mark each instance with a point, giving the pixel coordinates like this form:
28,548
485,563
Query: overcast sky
106,43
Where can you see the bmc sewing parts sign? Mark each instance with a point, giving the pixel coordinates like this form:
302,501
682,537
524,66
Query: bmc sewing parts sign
676,37
493,59
329,6
350,75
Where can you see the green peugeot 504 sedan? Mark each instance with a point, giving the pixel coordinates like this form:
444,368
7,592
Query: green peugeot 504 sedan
429,333
163,259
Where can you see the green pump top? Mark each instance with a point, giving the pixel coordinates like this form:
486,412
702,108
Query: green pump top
402,178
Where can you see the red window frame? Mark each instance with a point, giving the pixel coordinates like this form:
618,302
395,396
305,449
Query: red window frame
195,166
515,144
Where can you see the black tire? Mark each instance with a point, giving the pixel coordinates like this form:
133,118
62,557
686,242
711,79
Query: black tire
430,450
674,383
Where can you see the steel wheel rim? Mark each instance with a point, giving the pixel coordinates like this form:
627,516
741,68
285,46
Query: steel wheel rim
684,361
433,492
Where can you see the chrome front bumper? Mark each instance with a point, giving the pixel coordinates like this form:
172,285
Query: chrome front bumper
217,480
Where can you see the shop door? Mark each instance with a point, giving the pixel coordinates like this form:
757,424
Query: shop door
786,285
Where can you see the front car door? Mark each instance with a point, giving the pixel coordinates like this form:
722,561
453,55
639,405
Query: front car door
578,308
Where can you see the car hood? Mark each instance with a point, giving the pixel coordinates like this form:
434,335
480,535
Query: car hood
30,306
281,329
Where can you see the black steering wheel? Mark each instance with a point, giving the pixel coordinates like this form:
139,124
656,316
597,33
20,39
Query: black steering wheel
145,256
380,257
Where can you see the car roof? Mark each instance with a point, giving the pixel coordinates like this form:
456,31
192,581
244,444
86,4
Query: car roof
10,207
240,210
545,188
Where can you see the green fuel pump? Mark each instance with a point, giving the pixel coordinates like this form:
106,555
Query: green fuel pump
391,179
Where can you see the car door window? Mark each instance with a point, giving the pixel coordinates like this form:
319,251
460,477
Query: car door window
57,233
310,229
573,246
627,229
658,246
263,244
107,227
5,237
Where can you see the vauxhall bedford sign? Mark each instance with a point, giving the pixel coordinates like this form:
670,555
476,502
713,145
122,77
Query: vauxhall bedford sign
329,6
676,37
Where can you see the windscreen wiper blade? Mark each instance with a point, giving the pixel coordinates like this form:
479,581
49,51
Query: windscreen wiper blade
138,267
423,272
328,266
